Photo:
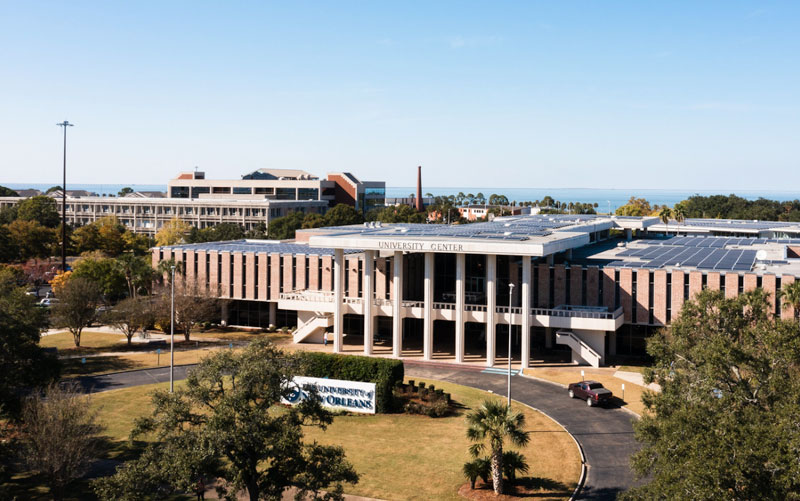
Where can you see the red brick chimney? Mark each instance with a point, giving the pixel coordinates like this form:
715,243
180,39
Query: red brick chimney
420,207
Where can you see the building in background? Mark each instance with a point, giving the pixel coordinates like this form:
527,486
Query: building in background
254,200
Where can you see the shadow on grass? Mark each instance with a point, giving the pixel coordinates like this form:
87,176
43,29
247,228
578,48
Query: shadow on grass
523,487
93,365
27,485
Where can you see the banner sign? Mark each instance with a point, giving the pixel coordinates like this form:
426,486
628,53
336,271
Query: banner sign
351,396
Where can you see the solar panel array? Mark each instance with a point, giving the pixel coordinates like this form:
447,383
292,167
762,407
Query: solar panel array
250,246
518,229
710,258
736,223
698,241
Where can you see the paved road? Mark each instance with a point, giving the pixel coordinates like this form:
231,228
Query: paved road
119,380
606,435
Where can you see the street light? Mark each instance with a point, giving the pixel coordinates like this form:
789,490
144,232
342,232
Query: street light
172,331
64,124
510,315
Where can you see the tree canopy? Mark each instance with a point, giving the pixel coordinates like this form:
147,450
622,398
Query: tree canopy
173,232
41,209
23,364
222,424
735,207
7,192
724,425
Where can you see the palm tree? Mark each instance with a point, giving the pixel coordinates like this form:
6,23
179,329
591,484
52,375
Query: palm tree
494,422
679,213
514,462
476,468
790,296
664,215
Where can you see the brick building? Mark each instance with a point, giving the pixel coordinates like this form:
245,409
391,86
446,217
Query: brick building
592,286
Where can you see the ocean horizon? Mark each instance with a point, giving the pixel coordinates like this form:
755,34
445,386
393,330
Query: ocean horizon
602,197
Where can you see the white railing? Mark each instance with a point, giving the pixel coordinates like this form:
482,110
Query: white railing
444,306
382,302
307,295
353,300
413,304
582,349
504,309
475,307
577,313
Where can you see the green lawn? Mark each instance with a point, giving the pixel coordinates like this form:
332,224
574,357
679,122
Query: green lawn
397,456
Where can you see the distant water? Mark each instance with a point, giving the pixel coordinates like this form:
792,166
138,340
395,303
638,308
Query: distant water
603,198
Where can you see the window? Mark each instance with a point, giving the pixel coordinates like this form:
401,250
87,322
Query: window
179,192
242,191
307,193
221,190
285,194
264,191
197,190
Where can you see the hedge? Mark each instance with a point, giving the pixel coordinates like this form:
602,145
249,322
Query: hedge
384,372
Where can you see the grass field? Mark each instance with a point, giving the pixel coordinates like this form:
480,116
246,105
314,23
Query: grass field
397,456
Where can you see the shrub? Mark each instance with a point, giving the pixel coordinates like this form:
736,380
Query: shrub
385,373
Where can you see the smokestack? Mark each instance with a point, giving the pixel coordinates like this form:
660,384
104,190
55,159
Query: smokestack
419,189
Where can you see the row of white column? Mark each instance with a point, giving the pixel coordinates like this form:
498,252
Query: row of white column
397,303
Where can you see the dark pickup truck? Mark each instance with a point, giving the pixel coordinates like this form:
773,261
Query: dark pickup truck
591,391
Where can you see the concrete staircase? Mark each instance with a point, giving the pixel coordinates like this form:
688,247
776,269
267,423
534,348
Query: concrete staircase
313,328
581,352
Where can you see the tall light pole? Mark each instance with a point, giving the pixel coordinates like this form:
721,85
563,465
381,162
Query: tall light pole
172,331
510,318
64,124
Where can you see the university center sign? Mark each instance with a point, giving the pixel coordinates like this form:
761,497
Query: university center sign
420,246
351,396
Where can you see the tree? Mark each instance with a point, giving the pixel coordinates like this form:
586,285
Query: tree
790,297
104,272
61,436
222,423
313,220
7,192
23,364
397,214
343,215
635,207
494,422
137,272
138,243
125,191
664,215
679,212
724,425
130,315
9,251
41,209
31,238
192,306
477,468
173,232
76,306
52,189
216,233
282,228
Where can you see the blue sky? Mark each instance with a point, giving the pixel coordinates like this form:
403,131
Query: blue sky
688,95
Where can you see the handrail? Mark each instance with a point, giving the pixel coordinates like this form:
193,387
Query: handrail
579,341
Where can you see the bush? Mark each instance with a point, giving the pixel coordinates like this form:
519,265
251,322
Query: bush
385,373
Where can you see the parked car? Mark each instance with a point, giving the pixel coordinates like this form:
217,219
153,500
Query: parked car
593,392
47,302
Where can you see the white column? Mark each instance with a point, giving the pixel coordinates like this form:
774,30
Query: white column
366,292
338,286
273,313
460,283
491,307
397,304
526,311
427,333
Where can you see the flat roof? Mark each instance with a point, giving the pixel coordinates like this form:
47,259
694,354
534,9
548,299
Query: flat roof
700,253
255,246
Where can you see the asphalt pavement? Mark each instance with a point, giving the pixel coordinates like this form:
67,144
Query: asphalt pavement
604,434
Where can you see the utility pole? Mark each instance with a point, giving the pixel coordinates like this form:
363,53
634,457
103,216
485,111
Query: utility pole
64,124
510,323
172,332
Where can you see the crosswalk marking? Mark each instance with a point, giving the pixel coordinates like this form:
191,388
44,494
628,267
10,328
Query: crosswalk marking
504,372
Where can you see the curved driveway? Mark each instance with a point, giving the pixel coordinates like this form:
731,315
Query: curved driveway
606,435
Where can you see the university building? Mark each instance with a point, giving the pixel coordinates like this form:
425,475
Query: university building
586,287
